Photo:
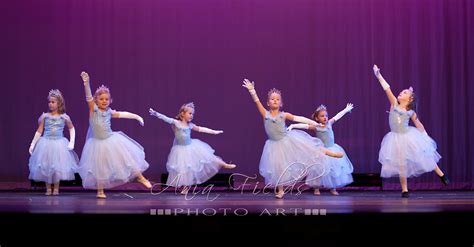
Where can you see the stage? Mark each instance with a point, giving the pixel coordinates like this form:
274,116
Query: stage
238,203
232,59
361,217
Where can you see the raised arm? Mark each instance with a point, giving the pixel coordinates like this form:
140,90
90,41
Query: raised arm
162,117
391,98
341,114
418,123
87,89
128,115
251,87
38,134
206,130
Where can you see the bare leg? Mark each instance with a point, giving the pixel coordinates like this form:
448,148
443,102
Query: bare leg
317,192
100,191
404,184
333,192
48,189
56,189
226,165
442,176
438,171
333,154
280,192
144,181
185,190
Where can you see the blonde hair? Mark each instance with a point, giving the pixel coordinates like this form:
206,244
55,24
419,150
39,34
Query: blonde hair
101,90
59,96
183,109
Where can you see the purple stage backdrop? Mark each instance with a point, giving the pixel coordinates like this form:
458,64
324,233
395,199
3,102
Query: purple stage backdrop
163,53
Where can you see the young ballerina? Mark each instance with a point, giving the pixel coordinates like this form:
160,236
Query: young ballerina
340,169
287,155
109,158
190,161
52,158
406,151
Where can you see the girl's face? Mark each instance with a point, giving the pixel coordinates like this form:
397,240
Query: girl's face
53,104
103,101
274,101
405,96
187,115
322,117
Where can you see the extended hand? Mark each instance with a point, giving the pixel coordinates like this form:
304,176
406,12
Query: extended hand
376,71
85,77
249,85
140,120
349,107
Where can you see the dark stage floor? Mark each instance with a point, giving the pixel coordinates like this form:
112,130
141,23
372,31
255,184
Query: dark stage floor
365,218
237,203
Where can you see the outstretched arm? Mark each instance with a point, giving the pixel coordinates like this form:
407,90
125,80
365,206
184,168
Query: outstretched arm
301,126
128,115
341,114
385,86
418,123
251,87
207,130
161,116
300,119
87,89
38,134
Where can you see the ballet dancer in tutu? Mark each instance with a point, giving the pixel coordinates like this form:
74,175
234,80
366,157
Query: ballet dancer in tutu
406,151
52,157
190,161
287,155
340,169
109,158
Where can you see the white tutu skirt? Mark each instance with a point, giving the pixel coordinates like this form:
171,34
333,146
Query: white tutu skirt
191,164
111,162
407,154
339,174
52,161
288,160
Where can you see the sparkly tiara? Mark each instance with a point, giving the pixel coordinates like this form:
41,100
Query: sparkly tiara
321,108
54,93
183,107
411,89
102,89
190,105
274,90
